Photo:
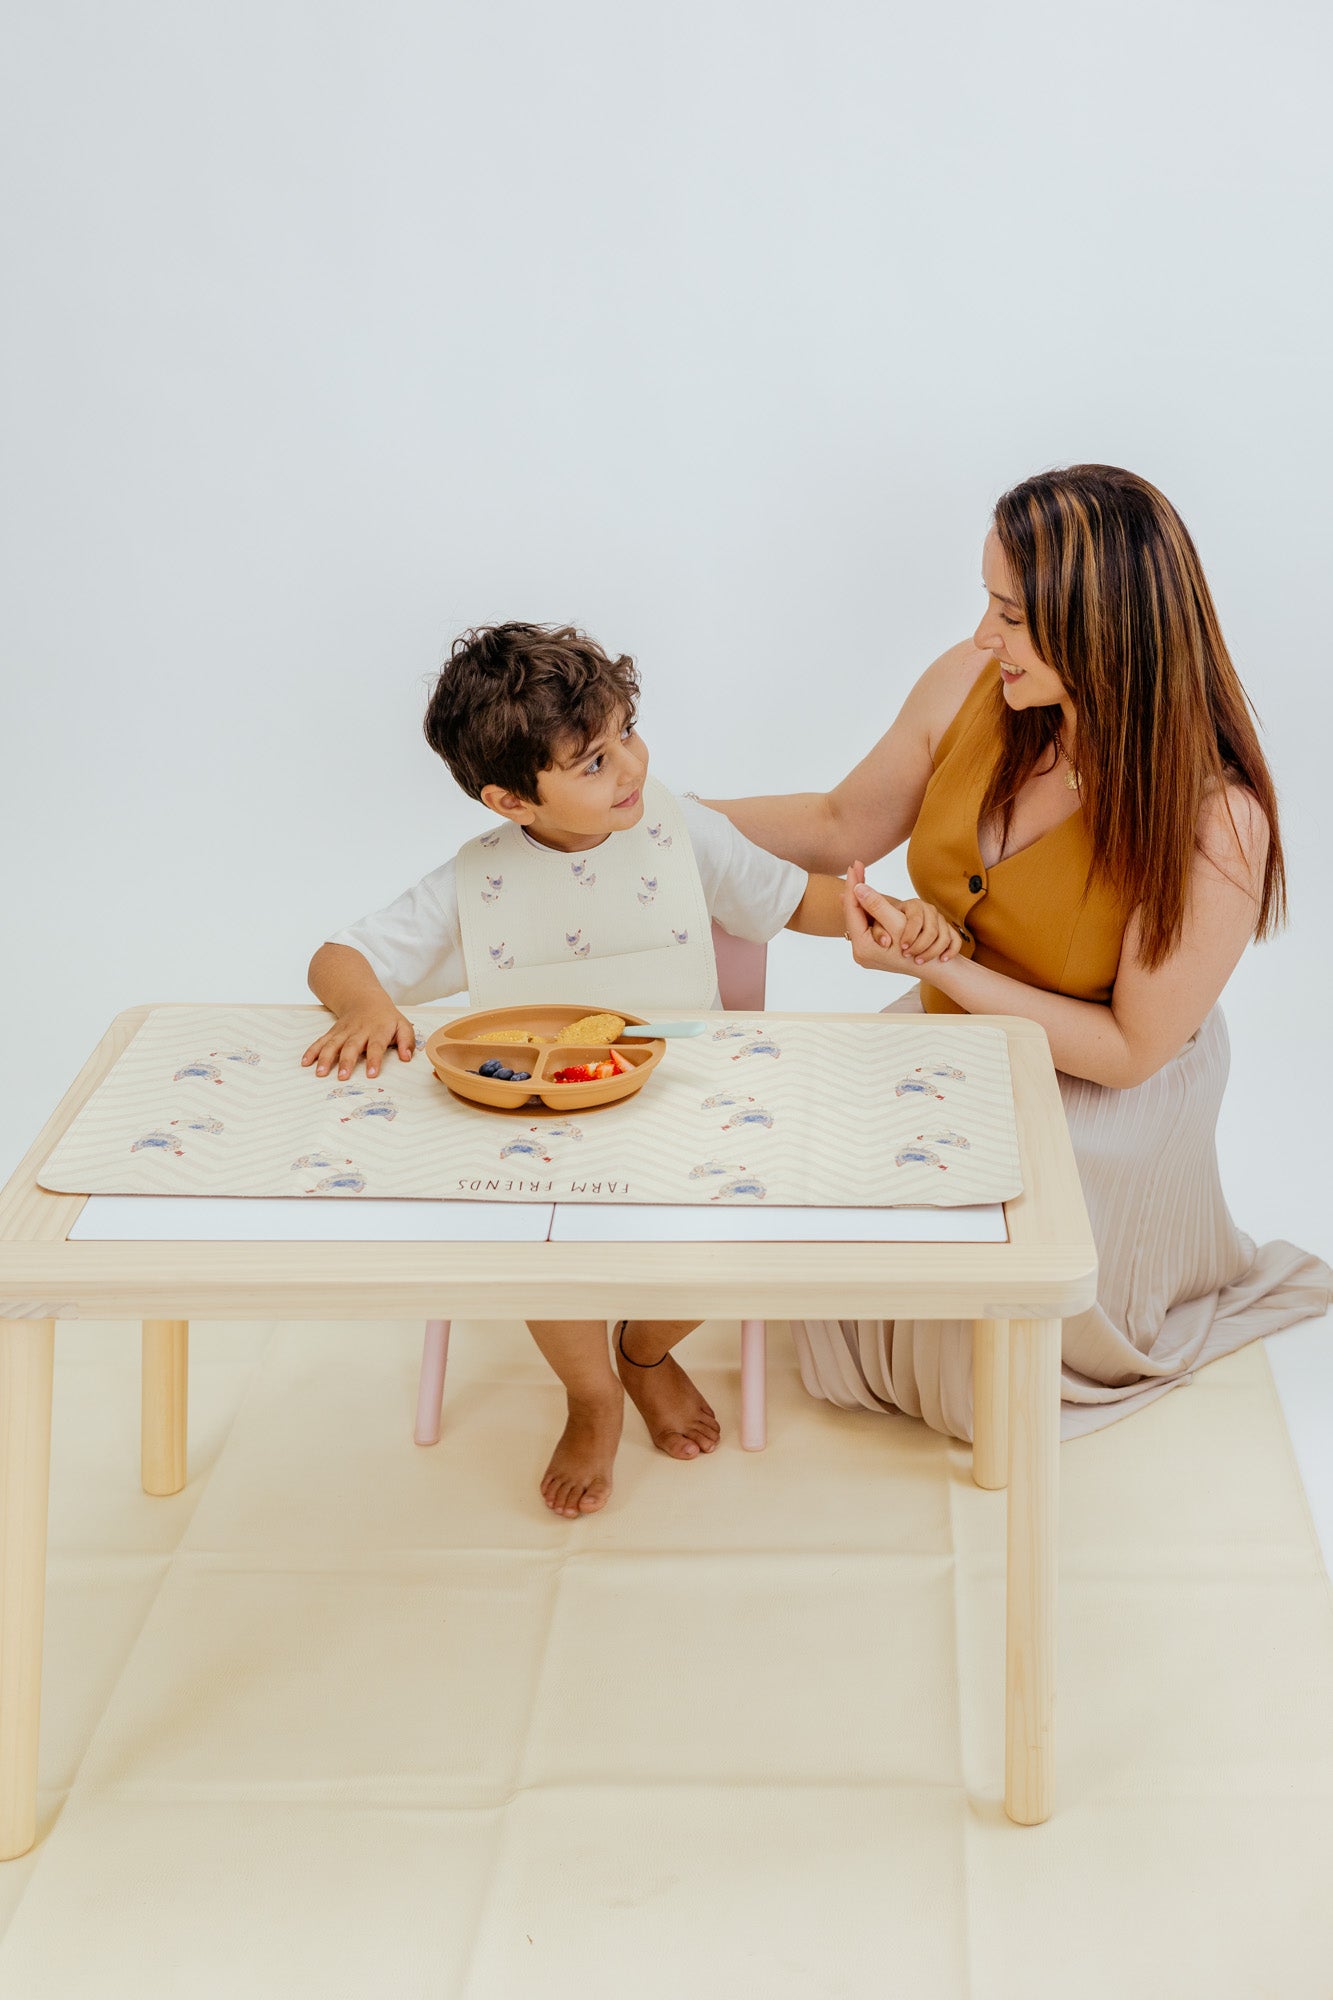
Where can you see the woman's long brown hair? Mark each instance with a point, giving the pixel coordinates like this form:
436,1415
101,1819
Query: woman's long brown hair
1116,603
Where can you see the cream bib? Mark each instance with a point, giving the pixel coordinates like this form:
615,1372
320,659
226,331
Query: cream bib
624,924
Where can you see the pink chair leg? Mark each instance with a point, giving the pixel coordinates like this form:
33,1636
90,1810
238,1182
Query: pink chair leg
430,1391
754,1384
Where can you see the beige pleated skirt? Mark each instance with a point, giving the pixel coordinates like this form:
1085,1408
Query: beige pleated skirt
1178,1286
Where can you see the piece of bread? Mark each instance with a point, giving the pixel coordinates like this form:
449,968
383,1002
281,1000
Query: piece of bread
507,1035
592,1028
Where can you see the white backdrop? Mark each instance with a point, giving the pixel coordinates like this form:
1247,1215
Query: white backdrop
715,328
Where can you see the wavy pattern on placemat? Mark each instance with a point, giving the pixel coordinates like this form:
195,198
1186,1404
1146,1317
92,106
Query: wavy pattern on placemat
843,1114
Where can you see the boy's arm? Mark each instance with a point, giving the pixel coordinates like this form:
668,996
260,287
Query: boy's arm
364,1017
820,910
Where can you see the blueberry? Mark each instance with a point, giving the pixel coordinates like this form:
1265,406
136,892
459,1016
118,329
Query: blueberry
503,1075
489,1067
522,1076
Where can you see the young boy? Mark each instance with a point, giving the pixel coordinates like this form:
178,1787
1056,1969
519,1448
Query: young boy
598,886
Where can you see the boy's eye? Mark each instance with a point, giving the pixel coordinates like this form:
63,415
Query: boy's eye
1009,621
594,767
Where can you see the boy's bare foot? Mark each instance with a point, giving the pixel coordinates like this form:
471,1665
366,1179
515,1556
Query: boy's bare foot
679,1421
578,1479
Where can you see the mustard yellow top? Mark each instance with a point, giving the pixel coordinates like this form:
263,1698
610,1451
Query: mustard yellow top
1039,915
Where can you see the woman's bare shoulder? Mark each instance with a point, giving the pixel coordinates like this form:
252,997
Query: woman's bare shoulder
1234,833
945,686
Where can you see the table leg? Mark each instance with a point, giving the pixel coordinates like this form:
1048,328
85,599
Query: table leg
990,1402
27,1352
165,1393
1034,1468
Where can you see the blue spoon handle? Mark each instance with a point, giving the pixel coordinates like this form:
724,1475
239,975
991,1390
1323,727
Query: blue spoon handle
653,1031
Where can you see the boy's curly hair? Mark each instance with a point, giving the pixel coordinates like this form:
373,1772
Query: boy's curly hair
512,698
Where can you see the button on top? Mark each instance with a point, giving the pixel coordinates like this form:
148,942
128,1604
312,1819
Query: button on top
975,884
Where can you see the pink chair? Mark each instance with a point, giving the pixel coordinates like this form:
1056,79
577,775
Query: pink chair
741,968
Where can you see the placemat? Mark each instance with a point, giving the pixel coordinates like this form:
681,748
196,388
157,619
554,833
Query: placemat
756,1110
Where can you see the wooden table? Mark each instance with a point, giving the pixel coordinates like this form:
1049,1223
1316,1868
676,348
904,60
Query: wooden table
1017,1293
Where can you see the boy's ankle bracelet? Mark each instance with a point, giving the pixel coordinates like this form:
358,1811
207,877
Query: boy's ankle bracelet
620,1343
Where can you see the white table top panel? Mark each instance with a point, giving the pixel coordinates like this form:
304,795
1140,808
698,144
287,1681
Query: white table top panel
139,1218
642,1224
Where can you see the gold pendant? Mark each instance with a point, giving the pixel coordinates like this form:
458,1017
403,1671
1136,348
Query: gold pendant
1071,779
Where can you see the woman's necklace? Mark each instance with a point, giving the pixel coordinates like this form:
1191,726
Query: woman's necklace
1071,775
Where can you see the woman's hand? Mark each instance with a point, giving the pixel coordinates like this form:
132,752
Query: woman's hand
891,936
874,927
928,938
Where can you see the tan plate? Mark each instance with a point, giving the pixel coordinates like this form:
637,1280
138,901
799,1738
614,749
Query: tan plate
456,1054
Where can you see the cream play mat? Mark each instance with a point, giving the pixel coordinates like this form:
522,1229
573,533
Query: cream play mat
347,1720
758,1109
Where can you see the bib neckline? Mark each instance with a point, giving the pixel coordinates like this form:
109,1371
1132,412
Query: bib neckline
572,853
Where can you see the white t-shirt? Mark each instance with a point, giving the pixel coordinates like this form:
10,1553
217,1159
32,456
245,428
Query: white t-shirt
415,946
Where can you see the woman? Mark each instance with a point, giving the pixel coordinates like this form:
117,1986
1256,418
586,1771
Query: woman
1087,804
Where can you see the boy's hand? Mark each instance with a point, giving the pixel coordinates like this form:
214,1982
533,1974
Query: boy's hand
372,1027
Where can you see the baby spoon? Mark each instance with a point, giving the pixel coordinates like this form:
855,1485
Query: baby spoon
653,1031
